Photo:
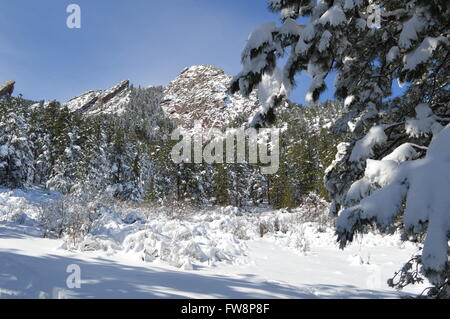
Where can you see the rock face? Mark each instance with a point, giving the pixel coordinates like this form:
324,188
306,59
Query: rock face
113,100
200,93
7,88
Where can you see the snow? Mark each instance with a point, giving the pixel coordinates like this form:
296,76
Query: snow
381,172
308,32
403,153
428,200
18,201
424,123
171,241
423,52
363,148
262,34
291,27
334,16
272,86
36,268
410,31
4,151
357,191
349,4
302,47
312,267
133,217
77,103
349,101
325,41
316,72
276,4
392,54
384,204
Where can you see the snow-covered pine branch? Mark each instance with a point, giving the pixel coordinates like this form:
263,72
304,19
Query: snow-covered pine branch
388,154
417,189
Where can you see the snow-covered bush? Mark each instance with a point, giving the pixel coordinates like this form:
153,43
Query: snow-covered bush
202,238
264,228
179,209
299,240
66,216
9,212
314,210
190,236
133,217
241,231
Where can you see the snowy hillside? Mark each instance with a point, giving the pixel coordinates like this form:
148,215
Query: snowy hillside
138,252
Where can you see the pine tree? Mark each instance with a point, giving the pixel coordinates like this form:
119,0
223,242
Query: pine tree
68,141
217,184
16,157
94,166
410,46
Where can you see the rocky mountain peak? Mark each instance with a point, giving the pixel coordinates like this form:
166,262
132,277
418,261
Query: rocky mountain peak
201,70
201,93
7,88
112,100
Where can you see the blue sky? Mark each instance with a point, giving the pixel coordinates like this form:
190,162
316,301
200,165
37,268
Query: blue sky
146,41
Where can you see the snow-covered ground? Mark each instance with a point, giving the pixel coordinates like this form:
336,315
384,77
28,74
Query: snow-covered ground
213,254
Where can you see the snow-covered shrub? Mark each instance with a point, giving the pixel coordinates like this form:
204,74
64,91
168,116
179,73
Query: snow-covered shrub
205,237
51,218
22,219
21,206
314,210
299,240
66,216
179,209
264,228
8,213
241,230
133,217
